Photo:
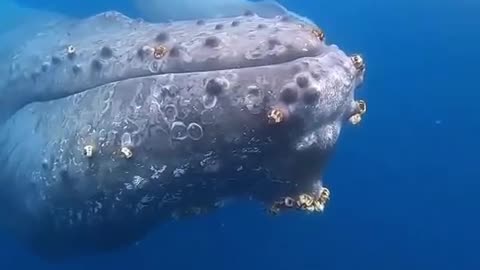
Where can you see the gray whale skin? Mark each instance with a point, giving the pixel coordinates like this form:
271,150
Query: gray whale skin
111,126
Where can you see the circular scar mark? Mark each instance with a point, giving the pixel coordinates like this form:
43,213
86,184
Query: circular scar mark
209,101
195,131
178,131
215,86
154,67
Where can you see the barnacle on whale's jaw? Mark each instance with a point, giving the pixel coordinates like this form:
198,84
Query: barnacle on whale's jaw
137,123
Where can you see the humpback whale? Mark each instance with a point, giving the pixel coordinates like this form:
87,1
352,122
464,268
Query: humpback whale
111,126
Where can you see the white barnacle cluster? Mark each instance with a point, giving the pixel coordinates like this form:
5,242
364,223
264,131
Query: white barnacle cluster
306,202
88,151
360,110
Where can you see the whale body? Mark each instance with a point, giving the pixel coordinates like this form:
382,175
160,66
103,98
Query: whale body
111,125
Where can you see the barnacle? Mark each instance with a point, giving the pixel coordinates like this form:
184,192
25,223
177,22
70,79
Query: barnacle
88,151
159,52
275,116
126,152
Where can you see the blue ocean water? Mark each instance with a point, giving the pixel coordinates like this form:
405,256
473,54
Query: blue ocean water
405,183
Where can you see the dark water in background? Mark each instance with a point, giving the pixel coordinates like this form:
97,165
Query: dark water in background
405,184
